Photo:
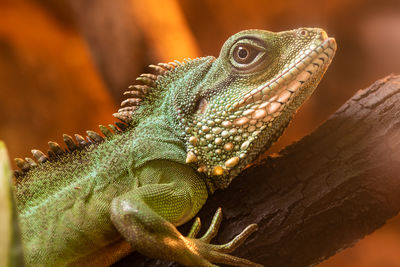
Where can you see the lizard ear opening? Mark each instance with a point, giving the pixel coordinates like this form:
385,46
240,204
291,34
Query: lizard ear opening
201,106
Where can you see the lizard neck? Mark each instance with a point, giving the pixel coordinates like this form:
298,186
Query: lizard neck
159,134
157,138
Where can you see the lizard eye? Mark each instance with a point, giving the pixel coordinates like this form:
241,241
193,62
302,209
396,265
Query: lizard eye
246,55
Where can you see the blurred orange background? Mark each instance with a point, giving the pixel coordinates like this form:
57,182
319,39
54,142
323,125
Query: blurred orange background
65,63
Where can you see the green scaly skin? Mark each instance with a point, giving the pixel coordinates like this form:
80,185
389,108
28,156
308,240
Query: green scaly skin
200,124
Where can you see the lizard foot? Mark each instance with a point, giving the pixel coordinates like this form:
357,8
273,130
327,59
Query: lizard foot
219,253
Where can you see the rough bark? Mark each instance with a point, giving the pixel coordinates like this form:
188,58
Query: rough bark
322,193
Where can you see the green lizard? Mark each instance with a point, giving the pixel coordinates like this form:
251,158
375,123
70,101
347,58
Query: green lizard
186,131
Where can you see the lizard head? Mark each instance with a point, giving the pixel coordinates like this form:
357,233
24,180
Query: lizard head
246,97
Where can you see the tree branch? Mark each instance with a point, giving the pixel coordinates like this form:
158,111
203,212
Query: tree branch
322,193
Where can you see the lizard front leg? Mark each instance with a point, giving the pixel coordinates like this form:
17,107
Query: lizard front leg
146,217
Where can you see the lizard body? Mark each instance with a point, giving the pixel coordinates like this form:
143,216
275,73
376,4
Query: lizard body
187,131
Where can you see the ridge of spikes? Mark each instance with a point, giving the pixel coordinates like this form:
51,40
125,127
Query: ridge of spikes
134,96
55,151
137,93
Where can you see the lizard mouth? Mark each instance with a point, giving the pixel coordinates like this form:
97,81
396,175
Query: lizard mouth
270,97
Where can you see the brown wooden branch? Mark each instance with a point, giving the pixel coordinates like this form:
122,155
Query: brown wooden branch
323,193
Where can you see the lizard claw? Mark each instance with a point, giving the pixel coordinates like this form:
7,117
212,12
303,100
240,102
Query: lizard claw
212,230
195,228
218,253
214,227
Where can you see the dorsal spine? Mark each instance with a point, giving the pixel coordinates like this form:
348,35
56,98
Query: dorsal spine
135,95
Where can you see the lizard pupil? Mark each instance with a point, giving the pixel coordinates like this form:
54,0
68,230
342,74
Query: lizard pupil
245,55
242,52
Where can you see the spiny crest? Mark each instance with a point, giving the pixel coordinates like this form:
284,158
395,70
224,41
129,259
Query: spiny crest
55,151
137,93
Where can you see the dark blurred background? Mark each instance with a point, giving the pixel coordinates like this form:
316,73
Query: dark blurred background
65,63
